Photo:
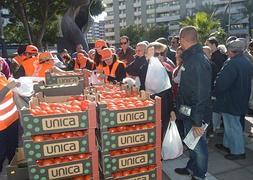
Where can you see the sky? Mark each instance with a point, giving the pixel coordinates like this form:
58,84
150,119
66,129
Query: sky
100,17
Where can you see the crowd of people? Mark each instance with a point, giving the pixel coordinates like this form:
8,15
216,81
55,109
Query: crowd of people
198,84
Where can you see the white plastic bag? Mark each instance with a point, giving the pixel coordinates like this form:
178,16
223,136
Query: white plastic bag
172,146
157,79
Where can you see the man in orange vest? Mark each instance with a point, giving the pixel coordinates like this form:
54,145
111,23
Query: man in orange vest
114,69
44,63
21,55
26,68
82,62
8,121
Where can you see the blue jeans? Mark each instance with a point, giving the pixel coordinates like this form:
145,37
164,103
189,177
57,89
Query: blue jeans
233,134
216,119
198,162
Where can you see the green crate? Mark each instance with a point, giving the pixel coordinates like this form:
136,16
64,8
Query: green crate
55,148
49,124
108,118
61,171
110,164
112,141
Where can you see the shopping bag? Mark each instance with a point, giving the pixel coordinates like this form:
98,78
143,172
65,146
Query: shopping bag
172,146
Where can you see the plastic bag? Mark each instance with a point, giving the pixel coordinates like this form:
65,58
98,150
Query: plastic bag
172,146
157,79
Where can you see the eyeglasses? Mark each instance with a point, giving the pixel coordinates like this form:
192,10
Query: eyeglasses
159,54
123,43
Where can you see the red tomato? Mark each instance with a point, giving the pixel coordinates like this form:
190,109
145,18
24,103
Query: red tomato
43,105
121,128
83,156
113,130
68,135
134,149
79,98
47,162
38,138
39,162
117,174
57,161
126,173
134,171
80,133
143,169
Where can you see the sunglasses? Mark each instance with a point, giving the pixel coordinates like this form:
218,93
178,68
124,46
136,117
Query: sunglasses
123,43
159,54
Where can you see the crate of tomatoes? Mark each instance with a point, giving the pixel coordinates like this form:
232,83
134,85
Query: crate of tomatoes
127,111
47,115
127,159
145,172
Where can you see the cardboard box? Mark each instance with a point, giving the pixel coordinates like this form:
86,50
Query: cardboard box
61,171
48,124
61,89
60,147
17,169
112,141
108,118
110,164
68,77
155,174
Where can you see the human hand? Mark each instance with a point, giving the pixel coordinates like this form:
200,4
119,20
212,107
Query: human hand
198,131
13,84
173,116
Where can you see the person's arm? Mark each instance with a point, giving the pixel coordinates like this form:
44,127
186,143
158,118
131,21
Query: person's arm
201,91
120,74
20,72
133,68
6,89
225,78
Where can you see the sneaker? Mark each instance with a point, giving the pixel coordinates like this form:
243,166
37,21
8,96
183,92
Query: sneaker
235,156
222,148
182,171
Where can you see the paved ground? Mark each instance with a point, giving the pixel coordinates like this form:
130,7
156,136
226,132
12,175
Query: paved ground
218,167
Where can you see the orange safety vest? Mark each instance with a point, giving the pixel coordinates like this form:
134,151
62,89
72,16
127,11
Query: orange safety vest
100,67
28,66
115,65
40,69
8,109
19,59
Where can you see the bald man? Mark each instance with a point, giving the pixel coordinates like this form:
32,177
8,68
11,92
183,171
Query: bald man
194,100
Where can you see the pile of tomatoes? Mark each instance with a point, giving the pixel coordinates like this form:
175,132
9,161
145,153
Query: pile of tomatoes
86,177
63,159
74,134
131,128
73,104
133,171
132,150
127,103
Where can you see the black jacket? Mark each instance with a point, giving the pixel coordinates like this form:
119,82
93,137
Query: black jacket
195,85
134,67
218,58
233,85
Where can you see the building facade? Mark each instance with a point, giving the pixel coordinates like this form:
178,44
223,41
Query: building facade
122,13
97,31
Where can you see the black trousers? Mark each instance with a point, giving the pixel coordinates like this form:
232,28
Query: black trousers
8,143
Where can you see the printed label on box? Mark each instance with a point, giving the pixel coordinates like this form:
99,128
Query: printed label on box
132,139
69,80
144,177
133,161
61,148
60,123
65,171
132,116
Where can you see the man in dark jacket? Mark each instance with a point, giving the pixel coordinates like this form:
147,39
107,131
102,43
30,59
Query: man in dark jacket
125,52
194,100
232,91
217,57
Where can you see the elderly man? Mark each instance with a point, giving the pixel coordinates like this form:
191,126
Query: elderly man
232,91
194,100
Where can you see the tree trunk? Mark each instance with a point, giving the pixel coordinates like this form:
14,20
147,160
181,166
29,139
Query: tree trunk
19,6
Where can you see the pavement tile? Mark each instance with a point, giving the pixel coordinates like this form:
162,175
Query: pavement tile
170,165
249,158
250,168
217,164
241,174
